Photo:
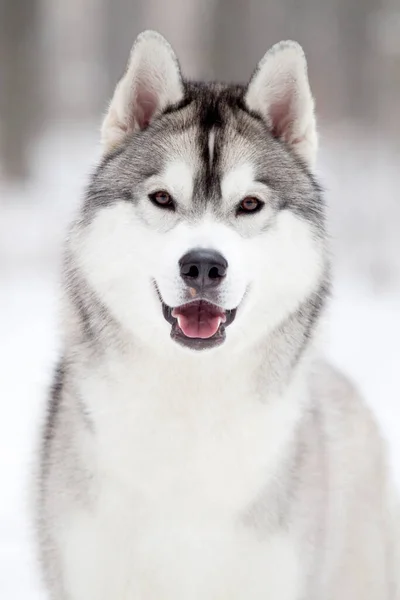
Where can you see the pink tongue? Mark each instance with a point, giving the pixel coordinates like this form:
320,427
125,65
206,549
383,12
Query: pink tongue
198,320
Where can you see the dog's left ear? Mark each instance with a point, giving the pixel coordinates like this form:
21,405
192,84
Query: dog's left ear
151,83
279,91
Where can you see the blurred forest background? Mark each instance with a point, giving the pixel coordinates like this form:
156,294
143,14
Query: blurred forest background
59,63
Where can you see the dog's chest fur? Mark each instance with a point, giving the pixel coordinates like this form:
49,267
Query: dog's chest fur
177,471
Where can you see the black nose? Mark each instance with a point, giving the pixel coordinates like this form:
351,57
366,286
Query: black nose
203,269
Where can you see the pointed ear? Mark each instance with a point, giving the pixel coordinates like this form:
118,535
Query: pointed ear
280,92
152,81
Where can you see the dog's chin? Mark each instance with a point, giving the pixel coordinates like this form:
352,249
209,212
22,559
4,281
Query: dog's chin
199,324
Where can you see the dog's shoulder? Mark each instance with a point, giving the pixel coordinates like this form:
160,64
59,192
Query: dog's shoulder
349,426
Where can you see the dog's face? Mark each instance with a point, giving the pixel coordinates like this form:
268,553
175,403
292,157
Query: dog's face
203,223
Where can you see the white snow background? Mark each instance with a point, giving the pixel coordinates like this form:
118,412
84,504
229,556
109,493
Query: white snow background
364,329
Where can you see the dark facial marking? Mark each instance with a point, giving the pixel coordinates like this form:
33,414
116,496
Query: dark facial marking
206,108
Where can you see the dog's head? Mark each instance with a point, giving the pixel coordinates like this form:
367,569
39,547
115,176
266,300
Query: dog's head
203,222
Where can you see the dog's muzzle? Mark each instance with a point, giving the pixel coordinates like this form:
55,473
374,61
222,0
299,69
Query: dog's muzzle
200,322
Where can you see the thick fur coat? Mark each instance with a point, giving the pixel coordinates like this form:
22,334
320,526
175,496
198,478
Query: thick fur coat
231,463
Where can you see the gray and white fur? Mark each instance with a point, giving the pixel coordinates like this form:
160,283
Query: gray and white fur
235,465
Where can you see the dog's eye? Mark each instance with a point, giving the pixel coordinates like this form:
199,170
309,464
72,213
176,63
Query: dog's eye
162,199
249,205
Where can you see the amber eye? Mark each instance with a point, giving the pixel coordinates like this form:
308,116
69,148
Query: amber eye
162,199
249,205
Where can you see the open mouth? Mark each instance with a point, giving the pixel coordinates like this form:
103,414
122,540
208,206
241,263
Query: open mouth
198,324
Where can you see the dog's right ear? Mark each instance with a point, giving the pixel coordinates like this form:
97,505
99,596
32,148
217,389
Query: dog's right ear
151,83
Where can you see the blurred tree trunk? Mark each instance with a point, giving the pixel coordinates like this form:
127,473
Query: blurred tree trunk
19,84
233,46
358,67
121,24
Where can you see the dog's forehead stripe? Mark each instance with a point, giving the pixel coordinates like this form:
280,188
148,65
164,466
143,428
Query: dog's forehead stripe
212,126
211,145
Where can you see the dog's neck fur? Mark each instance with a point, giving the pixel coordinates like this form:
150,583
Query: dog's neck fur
268,362
134,401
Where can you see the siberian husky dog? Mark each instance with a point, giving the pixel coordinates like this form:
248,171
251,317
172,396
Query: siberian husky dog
196,445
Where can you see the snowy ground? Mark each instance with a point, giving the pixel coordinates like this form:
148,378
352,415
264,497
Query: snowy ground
364,334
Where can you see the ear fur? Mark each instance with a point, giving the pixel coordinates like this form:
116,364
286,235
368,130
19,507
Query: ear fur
152,81
280,92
